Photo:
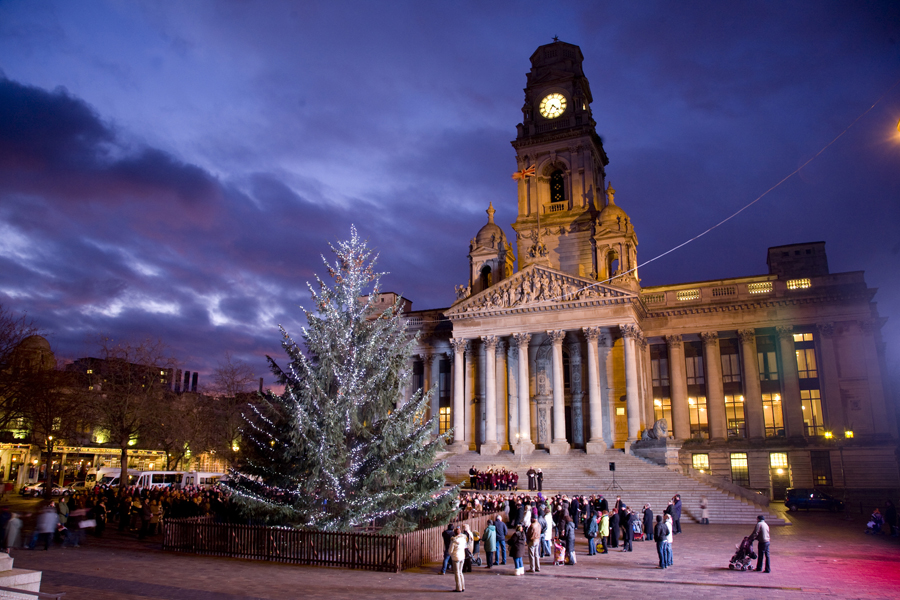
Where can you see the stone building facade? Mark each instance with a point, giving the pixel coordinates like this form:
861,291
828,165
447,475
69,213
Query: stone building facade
771,381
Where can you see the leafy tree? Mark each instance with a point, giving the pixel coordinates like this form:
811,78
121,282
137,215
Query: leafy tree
339,448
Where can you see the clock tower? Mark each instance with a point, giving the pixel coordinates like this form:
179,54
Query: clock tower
559,205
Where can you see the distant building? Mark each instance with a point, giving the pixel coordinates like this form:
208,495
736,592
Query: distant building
774,380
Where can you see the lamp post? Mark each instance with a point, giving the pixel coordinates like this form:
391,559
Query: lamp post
848,434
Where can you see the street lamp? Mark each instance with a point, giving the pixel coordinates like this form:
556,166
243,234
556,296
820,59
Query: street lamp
848,434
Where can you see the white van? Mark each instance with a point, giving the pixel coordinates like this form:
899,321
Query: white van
202,478
94,475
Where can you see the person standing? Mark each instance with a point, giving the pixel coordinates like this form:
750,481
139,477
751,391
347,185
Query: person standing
502,533
518,547
676,512
669,537
470,547
648,523
704,510
761,534
628,530
546,524
569,537
532,483
46,525
473,473
590,532
458,546
489,539
448,534
540,480
604,530
533,537
614,528
659,531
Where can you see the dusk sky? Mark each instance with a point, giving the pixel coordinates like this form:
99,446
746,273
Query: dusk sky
175,169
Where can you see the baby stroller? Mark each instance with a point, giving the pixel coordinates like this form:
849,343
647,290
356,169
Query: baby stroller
742,556
637,530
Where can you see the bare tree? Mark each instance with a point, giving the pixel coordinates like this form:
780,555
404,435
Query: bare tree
14,366
233,381
129,383
54,408
184,422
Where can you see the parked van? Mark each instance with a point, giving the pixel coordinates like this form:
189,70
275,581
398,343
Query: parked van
202,478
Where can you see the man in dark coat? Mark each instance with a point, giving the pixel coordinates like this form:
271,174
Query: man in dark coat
614,529
502,532
604,503
532,484
676,512
473,472
447,534
628,530
540,480
659,531
648,523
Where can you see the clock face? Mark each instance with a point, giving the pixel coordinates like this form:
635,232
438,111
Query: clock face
553,105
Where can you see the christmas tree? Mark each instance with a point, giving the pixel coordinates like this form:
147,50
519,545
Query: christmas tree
340,448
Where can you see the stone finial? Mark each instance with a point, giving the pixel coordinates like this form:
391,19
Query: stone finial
490,212
610,194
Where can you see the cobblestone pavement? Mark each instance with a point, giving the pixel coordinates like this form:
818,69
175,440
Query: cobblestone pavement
821,555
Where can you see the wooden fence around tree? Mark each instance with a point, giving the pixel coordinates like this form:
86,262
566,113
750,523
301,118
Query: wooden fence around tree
391,553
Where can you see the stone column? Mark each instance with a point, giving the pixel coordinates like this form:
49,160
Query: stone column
436,390
828,375
427,360
883,416
607,401
459,394
559,445
500,378
576,393
646,383
753,408
632,402
473,407
512,391
681,416
490,446
525,446
715,392
790,397
595,444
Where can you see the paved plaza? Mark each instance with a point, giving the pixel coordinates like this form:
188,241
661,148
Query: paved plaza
820,555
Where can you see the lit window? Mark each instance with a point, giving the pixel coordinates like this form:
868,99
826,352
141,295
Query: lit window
699,421
740,470
778,460
773,415
662,409
734,413
803,337
700,462
444,419
760,288
811,407
798,284
90,371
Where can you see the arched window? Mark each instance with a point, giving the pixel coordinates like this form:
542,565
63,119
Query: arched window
485,277
557,187
612,263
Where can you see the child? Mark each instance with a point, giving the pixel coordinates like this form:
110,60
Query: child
559,553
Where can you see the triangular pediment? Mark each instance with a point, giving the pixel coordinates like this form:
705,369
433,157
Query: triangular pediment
539,288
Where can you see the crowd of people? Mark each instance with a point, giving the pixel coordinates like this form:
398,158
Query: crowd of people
535,527
69,520
494,478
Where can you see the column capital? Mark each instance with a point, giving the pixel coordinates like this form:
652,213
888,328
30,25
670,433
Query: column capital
710,338
490,342
785,332
747,335
630,331
459,345
673,341
501,345
643,342
522,340
428,359
592,334
556,336
869,325
826,329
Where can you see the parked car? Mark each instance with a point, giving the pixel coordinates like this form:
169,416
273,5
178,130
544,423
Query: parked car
37,489
808,498
77,486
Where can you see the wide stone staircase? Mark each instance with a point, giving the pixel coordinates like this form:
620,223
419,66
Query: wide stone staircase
637,481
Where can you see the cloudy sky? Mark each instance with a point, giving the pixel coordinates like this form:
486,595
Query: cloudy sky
175,169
